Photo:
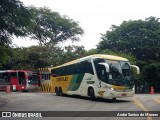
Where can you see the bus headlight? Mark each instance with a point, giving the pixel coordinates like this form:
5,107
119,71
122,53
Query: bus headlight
112,88
22,87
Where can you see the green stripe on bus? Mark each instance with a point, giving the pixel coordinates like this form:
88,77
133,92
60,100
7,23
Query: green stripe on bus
75,82
74,78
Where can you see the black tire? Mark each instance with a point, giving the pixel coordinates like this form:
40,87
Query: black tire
60,92
25,90
113,99
57,91
91,94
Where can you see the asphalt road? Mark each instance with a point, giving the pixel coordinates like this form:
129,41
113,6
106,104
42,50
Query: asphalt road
36,101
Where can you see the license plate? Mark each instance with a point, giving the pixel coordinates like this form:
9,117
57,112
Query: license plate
124,94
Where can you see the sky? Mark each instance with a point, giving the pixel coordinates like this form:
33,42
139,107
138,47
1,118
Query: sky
95,16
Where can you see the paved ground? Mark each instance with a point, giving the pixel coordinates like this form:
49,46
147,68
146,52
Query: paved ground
36,101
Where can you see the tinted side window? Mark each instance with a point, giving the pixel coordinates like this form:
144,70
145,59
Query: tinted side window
21,78
13,74
82,67
85,67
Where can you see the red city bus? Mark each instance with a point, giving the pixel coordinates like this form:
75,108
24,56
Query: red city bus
20,80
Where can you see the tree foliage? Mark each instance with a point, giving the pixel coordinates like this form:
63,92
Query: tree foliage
139,38
15,19
38,23
29,58
52,27
42,24
151,73
73,52
41,56
5,55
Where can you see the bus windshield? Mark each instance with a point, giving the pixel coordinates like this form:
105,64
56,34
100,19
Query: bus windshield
119,72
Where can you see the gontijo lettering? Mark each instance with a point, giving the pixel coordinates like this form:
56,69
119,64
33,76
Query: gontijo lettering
62,79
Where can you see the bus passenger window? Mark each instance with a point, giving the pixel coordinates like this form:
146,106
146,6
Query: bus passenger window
13,75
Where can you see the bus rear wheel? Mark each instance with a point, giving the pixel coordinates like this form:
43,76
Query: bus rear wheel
60,91
113,99
57,91
91,94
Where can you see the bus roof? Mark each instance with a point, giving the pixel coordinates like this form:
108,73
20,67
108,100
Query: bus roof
109,57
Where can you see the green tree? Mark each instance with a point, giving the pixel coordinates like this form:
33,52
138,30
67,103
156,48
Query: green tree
38,23
19,59
41,56
151,72
15,19
92,51
73,52
30,58
5,55
52,27
139,38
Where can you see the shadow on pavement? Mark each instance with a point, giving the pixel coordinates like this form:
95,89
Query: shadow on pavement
97,99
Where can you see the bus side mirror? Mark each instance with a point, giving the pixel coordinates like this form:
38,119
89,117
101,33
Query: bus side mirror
106,66
136,68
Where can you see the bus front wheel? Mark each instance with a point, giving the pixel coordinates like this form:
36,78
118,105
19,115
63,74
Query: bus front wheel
91,94
113,99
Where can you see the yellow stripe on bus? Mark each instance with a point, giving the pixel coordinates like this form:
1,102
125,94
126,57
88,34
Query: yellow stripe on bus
118,87
62,81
